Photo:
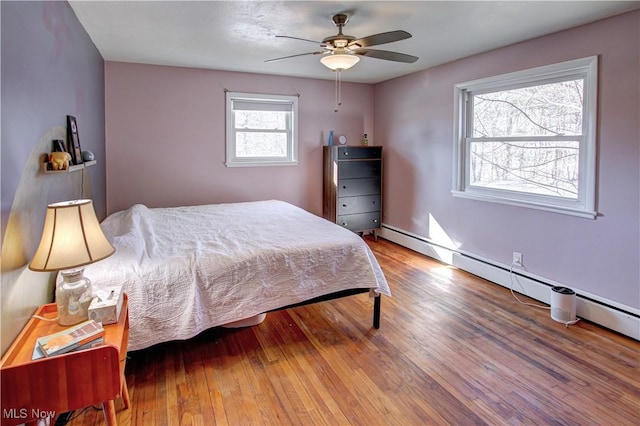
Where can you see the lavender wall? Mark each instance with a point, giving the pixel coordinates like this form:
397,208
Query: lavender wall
50,68
414,120
166,136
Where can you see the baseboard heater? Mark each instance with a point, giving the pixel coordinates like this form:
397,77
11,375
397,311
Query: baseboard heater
612,315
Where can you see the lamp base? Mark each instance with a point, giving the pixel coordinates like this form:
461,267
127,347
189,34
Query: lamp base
73,297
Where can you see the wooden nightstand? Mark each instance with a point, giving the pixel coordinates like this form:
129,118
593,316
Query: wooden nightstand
33,389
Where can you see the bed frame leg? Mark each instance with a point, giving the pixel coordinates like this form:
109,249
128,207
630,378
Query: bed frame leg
376,311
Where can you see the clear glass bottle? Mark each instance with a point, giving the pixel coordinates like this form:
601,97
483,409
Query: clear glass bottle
73,297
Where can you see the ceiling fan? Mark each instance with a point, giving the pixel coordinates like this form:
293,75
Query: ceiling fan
341,52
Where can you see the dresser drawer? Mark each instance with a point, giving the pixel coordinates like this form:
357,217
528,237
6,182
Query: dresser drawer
360,222
353,187
346,152
359,169
362,204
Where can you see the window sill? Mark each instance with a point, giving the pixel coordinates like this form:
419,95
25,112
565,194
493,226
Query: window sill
259,163
525,204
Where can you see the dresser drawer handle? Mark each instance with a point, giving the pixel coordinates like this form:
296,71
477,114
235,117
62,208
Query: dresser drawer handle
344,205
346,153
344,223
344,186
375,220
373,203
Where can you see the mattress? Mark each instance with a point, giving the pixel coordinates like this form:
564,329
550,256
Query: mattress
187,269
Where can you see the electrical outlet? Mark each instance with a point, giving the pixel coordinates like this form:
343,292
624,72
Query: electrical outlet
517,259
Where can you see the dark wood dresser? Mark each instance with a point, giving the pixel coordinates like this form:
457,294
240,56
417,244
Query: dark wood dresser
352,187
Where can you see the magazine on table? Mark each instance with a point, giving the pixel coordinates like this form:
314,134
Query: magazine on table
80,336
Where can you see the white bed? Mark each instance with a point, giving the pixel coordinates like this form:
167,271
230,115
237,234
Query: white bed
187,269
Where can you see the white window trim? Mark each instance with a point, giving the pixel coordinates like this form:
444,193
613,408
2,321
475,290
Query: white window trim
292,148
585,206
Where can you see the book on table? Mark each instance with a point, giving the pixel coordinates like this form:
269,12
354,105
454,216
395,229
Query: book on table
37,352
70,339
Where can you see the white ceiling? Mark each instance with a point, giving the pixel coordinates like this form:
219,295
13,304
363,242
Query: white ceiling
240,35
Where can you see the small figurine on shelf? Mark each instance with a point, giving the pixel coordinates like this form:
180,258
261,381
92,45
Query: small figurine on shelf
88,156
365,140
59,160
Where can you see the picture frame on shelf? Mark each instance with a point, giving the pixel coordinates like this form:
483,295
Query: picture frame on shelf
58,145
73,140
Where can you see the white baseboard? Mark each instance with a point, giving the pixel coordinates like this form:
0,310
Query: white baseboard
612,315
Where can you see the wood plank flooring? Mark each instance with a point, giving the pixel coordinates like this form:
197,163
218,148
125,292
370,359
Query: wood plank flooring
452,349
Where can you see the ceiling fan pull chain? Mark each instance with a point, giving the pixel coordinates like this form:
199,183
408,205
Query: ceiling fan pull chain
339,87
337,90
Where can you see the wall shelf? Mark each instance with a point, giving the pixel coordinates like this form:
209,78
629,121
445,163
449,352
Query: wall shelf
70,169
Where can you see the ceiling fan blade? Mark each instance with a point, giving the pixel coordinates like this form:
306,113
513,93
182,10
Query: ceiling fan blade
382,38
293,56
298,38
386,55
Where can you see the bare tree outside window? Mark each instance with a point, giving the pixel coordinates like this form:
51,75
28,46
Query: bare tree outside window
528,138
548,167
261,134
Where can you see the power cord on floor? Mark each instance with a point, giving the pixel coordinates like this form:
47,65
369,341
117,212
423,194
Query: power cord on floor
513,293
65,418
568,323
535,305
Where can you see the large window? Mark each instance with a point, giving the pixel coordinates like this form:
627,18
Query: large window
528,138
261,130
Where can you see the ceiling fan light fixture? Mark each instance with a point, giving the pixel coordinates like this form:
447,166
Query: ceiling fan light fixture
339,61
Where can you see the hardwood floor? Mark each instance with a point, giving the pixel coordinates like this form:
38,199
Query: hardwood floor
452,349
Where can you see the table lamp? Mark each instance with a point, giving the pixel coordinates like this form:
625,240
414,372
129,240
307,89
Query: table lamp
71,238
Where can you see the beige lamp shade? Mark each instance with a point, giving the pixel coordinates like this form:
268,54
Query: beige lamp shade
339,61
72,237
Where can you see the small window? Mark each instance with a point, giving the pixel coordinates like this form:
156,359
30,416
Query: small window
261,130
528,138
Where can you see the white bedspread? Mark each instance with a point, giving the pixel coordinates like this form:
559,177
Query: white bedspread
187,269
